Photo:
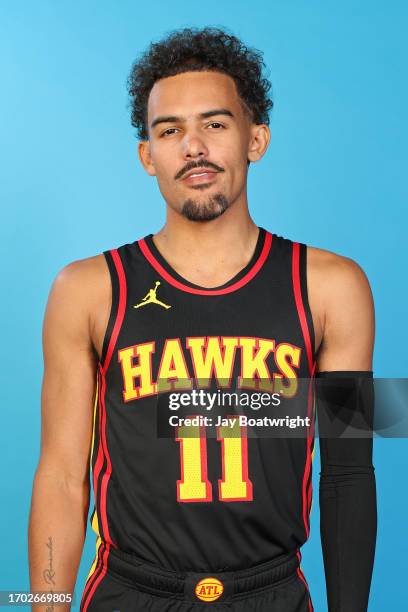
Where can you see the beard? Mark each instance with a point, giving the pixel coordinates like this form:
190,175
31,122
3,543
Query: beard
198,211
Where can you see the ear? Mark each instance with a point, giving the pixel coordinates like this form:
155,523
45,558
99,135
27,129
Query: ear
258,141
145,157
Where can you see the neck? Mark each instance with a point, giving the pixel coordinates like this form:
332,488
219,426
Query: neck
208,253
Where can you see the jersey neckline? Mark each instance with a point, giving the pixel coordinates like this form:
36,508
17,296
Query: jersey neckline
160,264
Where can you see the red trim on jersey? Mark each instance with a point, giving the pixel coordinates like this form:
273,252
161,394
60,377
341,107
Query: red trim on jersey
179,285
102,572
307,485
121,306
303,579
102,447
92,577
108,470
299,303
307,480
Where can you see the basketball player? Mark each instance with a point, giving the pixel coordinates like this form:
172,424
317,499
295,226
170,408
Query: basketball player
188,522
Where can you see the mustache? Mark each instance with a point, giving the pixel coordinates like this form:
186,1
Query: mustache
200,164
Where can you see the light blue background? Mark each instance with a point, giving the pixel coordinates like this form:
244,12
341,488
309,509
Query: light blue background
71,186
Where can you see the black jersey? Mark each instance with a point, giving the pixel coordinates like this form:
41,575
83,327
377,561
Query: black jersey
203,502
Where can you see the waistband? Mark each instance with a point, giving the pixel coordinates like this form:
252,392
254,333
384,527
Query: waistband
201,586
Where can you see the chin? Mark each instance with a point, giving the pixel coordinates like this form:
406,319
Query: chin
205,211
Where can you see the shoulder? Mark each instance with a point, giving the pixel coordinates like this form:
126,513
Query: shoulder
336,277
342,306
82,276
77,289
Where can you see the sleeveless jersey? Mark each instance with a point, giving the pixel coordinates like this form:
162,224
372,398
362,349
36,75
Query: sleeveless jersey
201,502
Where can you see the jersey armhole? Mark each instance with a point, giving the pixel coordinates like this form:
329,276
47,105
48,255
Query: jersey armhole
115,289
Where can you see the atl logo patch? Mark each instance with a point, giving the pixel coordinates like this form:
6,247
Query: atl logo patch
209,589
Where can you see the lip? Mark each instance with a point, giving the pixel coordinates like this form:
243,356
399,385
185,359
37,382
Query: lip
204,176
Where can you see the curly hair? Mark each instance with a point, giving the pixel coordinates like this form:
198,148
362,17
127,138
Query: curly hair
193,49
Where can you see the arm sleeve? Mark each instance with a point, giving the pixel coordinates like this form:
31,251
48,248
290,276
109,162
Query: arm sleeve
347,488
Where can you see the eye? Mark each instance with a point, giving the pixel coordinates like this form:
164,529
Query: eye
216,123
166,131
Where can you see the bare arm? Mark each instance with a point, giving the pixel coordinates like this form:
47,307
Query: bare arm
347,492
347,309
60,495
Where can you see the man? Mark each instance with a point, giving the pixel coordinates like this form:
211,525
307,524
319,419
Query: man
199,520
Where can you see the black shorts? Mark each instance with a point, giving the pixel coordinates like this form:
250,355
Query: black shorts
121,582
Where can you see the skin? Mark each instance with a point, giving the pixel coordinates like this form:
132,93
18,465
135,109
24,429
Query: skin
207,253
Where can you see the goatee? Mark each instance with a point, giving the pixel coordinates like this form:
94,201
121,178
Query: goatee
215,207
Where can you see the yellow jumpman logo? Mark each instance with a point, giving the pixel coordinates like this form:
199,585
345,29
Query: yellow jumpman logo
150,297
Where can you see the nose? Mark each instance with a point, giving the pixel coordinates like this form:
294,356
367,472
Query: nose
194,146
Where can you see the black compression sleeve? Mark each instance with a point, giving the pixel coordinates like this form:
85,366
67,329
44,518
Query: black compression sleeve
347,489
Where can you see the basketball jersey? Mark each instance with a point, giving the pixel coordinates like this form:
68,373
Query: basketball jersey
208,501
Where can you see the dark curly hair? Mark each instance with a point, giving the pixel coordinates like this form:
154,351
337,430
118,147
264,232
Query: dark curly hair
193,49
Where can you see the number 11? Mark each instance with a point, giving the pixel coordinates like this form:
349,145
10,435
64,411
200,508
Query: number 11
194,485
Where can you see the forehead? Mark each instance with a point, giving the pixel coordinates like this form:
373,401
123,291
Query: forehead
192,92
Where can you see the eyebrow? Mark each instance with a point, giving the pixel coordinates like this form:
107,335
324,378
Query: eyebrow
174,118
